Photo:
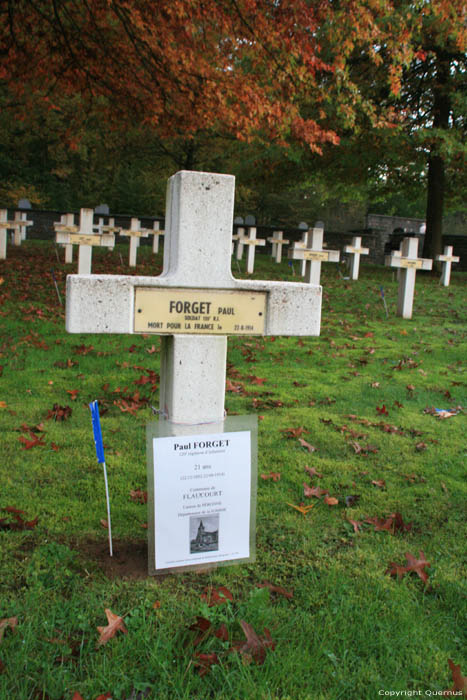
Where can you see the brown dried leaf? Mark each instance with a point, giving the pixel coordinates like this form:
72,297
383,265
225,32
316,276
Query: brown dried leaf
10,622
109,631
275,476
275,589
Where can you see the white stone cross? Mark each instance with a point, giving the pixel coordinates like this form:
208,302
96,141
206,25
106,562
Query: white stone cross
240,238
408,262
68,220
107,228
156,232
8,225
251,241
447,259
313,254
83,236
195,303
135,232
277,241
20,230
355,251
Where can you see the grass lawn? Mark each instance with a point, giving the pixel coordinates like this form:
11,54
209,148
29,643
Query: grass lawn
356,406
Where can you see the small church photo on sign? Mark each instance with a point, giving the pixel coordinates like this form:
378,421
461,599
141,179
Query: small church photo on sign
204,534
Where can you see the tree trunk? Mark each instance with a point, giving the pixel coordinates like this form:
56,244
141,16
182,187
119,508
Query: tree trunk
436,168
434,207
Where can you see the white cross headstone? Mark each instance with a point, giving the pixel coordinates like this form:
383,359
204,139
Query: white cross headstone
68,220
409,263
156,233
8,225
102,228
277,241
240,238
195,303
355,251
84,237
447,259
313,254
20,230
135,232
251,241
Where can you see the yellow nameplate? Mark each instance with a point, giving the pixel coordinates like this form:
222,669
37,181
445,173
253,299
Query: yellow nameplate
315,255
412,264
85,239
197,311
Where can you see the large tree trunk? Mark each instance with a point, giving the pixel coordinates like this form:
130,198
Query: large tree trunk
436,169
434,207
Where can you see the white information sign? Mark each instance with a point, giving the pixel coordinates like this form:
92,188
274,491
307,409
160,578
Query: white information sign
202,498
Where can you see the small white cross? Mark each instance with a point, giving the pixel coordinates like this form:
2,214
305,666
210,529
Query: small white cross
8,225
135,232
20,231
355,251
407,261
84,237
447,259
313,254
156,232
251,241
277,241
195,303
240,238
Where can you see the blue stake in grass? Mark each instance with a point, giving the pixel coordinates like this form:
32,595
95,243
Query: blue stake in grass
56,288
384,301
96,427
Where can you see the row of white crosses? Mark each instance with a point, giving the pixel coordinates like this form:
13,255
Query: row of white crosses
18,225
83,235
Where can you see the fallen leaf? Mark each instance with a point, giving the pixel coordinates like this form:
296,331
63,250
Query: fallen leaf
355,524
275,589
294,432
382,410
306,445
413,565
379,482
275,476
139,496
460,681
205,661
10,622
316,491
255,647
109,631
216,596
331,501
312,472
351,500
302,509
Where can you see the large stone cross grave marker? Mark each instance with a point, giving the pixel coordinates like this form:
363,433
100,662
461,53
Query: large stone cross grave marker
313,253
7,225
135,232
277,239
447,259
355,250
251,241
84,237
195,303
409,263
